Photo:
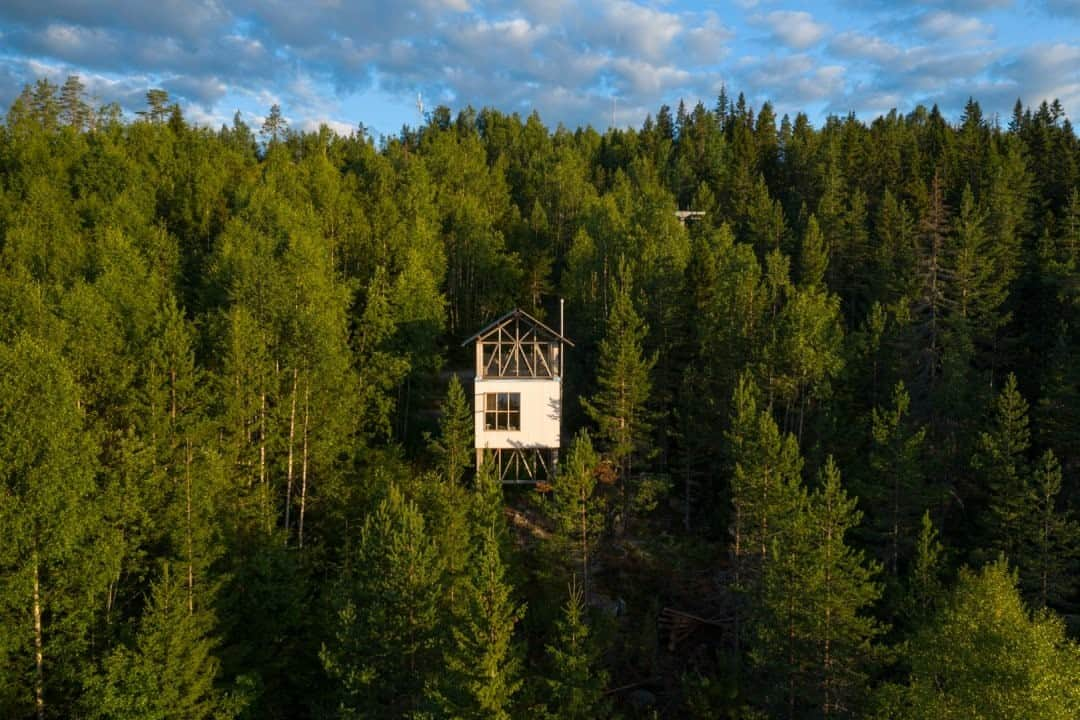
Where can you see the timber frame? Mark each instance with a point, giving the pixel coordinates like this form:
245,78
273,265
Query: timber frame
520,466
517,345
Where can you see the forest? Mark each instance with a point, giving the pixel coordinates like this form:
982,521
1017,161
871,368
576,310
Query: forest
821,443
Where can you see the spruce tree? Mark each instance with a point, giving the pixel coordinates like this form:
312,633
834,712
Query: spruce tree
576,680
454,447
619,406
484,661
1001,459
897,493
170,672
383,643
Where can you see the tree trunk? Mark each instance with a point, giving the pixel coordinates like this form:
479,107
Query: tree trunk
289,471
39,652
304,463
584,545
190,551
263,485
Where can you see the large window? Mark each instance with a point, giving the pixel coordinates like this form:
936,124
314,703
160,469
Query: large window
502,411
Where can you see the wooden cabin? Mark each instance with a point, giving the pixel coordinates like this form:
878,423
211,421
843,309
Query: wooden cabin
517,396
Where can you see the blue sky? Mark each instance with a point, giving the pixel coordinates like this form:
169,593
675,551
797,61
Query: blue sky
342,62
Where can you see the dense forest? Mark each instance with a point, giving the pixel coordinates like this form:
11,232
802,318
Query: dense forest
821,444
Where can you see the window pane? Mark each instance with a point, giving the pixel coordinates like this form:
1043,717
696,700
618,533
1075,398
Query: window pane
489,421
489,399
514,421
515,401
501,422
504,400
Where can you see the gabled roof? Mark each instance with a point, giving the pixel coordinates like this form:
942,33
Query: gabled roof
512,315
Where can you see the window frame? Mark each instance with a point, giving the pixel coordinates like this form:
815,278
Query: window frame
501,409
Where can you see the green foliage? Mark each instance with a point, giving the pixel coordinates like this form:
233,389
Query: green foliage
985,655
619,407
577,508
898,492
382,650
49,520
484,661
576,680
454,448
170,671
813,632
220,351
1002,459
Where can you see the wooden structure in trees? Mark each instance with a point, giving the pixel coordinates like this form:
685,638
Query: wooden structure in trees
517,396
686,215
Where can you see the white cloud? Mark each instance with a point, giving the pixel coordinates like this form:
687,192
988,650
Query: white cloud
629,27
945,24
857,45
794,28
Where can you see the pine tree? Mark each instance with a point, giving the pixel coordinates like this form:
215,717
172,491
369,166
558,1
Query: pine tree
847,592
274,126
1002,460
898,493
74,111
924,577
576,682
1048,557
813,632
382,652
170,672
454,448
47,520
619,407
765,483
813,255
484,662
578,514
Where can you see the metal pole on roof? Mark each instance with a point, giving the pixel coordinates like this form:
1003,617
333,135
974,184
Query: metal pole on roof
562,332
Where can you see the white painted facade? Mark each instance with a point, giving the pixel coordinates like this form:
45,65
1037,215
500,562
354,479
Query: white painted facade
540,411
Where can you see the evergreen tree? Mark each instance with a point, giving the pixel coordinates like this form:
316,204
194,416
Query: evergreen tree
577,512
47,520
619,406
170,672
274,126
454,448
1001,459
1048,558
812,630
924,577
898,492
484,661
382,651
813,255
765,484
576,681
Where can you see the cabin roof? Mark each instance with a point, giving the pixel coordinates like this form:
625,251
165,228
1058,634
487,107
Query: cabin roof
506,319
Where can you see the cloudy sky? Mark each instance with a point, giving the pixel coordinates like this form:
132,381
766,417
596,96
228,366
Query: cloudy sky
343,62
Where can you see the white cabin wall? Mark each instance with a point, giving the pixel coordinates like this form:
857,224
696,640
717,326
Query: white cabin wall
540,410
